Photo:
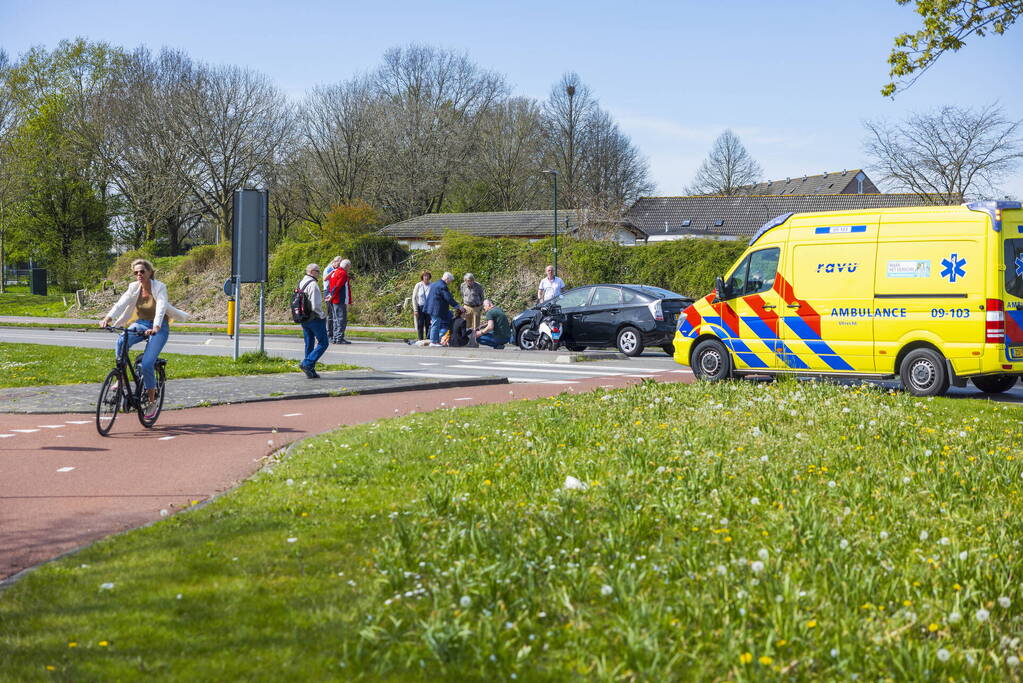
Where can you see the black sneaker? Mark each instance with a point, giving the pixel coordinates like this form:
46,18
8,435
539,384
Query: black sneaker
309,372
344,341
313,374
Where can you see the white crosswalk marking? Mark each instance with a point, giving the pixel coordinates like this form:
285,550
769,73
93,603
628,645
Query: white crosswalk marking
165,438
50,426
77,422
64,469
25,431
6,436
292,414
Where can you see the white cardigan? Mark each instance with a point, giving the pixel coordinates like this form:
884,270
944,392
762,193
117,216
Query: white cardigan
125,306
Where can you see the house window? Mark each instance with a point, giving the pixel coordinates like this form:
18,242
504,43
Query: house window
686,223
719,222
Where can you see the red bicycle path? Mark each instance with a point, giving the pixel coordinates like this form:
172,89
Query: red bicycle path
63,486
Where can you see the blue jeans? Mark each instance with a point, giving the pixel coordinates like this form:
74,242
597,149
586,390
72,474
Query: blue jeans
316,341
437,329
153,349
490,339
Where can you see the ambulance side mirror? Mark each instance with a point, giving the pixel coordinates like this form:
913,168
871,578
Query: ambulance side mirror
721,288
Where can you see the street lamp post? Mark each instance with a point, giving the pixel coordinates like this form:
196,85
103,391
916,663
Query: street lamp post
554,174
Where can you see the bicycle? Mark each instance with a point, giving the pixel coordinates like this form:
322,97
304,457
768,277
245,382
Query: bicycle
122,389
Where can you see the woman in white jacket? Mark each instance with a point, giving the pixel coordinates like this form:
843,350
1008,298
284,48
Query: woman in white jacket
144,305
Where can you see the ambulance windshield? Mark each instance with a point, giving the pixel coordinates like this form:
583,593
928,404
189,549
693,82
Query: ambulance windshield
1014,267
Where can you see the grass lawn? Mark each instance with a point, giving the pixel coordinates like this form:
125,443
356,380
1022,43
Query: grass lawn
219,330
737,531
52,305
28,365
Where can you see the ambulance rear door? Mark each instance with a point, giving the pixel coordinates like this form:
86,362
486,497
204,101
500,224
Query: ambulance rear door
1012,252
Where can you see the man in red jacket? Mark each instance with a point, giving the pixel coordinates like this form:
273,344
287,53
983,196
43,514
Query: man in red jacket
340,297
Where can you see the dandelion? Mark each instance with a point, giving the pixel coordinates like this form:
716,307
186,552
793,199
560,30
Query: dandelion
905,480
963,555
757,567
290,482
944,540
721,570
465,602
943,655
765,660
762,553
1004,602
834,652
606,590
932,627
763,458
292,539
843,544
832,484
883,535
573,484
1012,660
746,657
954,618
923,535
754,501
812,623
982,615
103,643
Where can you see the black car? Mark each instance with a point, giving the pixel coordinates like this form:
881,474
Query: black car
630,317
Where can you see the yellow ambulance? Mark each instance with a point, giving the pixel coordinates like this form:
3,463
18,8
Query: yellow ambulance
932,295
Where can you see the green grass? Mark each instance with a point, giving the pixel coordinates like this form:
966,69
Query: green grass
17,303
28,365
739,532
219,330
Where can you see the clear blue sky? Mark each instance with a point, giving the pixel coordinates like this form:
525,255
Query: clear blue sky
794,79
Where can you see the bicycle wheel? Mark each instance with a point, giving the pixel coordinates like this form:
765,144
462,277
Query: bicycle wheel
109,402
149,411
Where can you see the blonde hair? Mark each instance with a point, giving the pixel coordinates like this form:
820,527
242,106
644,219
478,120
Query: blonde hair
147,264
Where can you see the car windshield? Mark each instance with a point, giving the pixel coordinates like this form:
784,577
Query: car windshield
573,298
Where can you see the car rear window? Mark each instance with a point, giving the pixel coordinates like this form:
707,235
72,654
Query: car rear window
657,292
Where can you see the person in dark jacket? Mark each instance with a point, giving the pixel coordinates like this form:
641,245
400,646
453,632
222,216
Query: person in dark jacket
459,330
439,303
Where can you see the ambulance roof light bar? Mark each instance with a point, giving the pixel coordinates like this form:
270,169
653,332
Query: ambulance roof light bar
994,209
773,223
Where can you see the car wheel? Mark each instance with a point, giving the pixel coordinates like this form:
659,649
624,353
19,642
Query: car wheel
994,384
575,347
923,373
711,361
668,349
630,342
525,344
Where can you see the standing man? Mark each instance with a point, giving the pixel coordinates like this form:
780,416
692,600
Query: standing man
315,329
340,300
472,300
550,286
439,303
326,294
496,332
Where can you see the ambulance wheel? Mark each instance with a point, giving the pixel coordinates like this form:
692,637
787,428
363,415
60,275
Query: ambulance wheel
711,361
923,373
994,384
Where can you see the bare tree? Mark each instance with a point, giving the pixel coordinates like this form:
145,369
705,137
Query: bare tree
728,169
339,125
231,120
508,157
946,155
614,173
567,111
147,162
431,106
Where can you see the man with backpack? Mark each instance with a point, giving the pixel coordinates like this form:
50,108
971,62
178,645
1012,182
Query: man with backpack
307,309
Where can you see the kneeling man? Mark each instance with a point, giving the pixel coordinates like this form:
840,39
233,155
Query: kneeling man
496,331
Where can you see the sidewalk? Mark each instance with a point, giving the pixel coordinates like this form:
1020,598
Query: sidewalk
206,391
244,326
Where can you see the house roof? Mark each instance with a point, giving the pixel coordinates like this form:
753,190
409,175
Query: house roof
841,182
741,216
484,224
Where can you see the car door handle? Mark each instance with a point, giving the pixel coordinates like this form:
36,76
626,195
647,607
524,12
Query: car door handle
614,311
768,307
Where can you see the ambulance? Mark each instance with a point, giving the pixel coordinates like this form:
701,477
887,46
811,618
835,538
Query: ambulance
931,295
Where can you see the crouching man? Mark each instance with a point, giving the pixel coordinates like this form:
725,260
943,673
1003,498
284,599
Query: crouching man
496,330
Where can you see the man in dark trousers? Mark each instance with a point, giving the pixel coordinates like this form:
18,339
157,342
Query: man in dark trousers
439,303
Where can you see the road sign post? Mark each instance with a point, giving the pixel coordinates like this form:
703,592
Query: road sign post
249,253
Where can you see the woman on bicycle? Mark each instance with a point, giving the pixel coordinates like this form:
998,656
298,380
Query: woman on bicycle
144,305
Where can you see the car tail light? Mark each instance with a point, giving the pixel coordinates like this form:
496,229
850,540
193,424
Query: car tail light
994,324
656,310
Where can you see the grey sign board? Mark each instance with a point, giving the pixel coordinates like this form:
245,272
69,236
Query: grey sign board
249,246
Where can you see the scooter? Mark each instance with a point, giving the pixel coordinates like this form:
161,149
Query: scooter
545,331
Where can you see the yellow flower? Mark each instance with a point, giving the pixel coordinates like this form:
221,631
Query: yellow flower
746,657
72,644
907,603
812,623
956,587
50,667
103,643
932,628
765,660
